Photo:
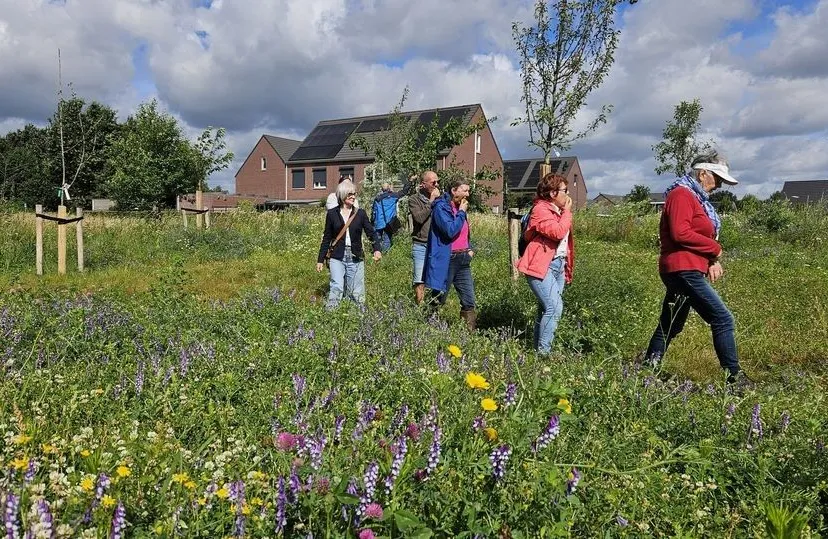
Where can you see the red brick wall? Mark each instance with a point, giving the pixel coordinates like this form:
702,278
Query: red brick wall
577,186
309,192
252,180
464,156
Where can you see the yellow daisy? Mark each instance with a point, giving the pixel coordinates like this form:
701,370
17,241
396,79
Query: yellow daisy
476,381
491,433
455,350
489,405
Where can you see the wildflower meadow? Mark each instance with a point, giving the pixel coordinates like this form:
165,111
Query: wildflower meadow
191,384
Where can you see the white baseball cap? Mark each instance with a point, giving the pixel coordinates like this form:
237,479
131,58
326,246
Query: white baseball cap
722,171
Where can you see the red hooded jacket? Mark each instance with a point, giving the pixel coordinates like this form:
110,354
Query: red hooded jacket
546,229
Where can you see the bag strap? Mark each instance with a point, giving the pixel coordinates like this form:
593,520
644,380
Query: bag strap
344,228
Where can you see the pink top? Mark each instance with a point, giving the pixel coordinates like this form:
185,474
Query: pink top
462,241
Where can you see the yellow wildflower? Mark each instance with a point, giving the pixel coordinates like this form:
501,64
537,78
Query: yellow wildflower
158,529
476,381
85,453
491,433
246,509
180,477
48,449
222,493
21,439
564,405
455,350
20,464
489,405
190,485
258,502
202,501
107,501
87,484
258,476
123,471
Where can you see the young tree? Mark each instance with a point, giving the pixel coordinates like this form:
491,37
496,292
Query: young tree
564,55
725,200
212,155
639,193
24,175
679,146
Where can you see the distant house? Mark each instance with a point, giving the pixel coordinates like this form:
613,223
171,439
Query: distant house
522,176
606,200
263,174
310,169
657,201
806,192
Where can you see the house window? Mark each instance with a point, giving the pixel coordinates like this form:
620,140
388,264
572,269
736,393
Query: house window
477,138
264,163
320,178
298,175
347,171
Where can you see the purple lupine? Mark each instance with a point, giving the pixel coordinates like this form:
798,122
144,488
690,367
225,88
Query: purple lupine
399,419
237,495
118,522
369,411
572,482
299,384
430,420
139,378
31,470
731,408
784,421
623,522
442,362
369,485
281,503
498,459
183,361
100,486
478,423
755,431
44,526
434,452
339,423
295,486
399,450
10,516
352,490
511,395
329,397
316,448
551,432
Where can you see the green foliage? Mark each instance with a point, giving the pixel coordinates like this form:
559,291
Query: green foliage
784,523
24,170
749,204
679,146
480,184
153,162
564,55
726,200
639,193
211,153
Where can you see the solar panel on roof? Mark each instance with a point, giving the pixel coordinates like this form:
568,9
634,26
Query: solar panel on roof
369,126
445,116
305,153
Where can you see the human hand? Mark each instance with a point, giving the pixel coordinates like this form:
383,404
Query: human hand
377,256
464,204
434,194
319,266
471,253
714,272
568,203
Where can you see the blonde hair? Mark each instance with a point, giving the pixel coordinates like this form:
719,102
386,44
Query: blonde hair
344,189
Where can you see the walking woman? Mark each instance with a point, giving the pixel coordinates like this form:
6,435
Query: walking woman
689,263
550,255
342,246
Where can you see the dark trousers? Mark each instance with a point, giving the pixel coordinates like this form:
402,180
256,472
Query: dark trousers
459,275
686,289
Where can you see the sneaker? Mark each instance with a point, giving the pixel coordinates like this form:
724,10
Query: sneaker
739,382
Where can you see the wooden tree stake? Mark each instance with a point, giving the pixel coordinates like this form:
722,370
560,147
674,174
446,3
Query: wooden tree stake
514,235
199,206
61,241
39,240
79,234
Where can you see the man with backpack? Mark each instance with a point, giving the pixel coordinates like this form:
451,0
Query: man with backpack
384,213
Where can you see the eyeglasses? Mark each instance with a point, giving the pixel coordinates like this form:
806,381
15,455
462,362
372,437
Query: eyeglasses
350,195
564,191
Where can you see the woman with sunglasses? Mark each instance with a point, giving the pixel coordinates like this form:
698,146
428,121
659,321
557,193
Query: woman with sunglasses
346,261
550,255
689,263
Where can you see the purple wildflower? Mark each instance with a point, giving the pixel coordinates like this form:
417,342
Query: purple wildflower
430,420
369,484
755,432
572,482
118,522
365,418
295,486
237,495
281,502
511,395
498,459
731,408
316,448
478,423
623,522
434,453
299,384
784,421
139,378
551,432
43,526
366,533
31,470
399,450
339,423
399,418
442,362
374,511
10,516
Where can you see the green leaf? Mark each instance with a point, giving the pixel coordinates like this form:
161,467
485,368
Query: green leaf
406,520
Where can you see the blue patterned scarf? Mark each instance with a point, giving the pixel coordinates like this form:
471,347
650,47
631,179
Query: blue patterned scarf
703,198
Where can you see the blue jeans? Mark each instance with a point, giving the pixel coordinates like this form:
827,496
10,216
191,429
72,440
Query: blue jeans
418,254
687,289
549,292
348,278
386,239
460,276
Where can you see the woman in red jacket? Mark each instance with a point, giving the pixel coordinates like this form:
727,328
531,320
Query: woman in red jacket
550,255
689,263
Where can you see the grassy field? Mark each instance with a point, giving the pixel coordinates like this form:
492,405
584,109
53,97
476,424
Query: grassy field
192,380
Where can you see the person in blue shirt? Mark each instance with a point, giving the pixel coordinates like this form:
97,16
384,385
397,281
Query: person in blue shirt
384,212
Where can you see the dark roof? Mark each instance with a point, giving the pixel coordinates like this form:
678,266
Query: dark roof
524,174
283,146
330,140
615,199
806,191
656,198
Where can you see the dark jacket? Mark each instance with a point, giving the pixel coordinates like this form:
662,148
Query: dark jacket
445,227
334,223
419,205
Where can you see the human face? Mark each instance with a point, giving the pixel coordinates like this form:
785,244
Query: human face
460,192
430,182
560,195
349,199
709,181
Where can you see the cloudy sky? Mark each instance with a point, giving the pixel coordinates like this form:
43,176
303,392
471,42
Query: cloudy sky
279,66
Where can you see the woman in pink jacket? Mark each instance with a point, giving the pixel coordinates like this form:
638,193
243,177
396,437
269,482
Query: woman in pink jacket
550,255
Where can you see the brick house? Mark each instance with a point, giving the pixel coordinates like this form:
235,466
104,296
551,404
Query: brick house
522,177
313,168
806,191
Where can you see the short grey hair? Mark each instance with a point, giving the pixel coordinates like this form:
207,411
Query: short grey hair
344,189
711,156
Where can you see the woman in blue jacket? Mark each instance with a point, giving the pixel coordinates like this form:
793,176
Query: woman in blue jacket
449,253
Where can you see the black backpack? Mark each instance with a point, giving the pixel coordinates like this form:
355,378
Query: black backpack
524,224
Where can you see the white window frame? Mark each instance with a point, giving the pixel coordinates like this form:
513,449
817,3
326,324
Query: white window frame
313,179
477,139
263,163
